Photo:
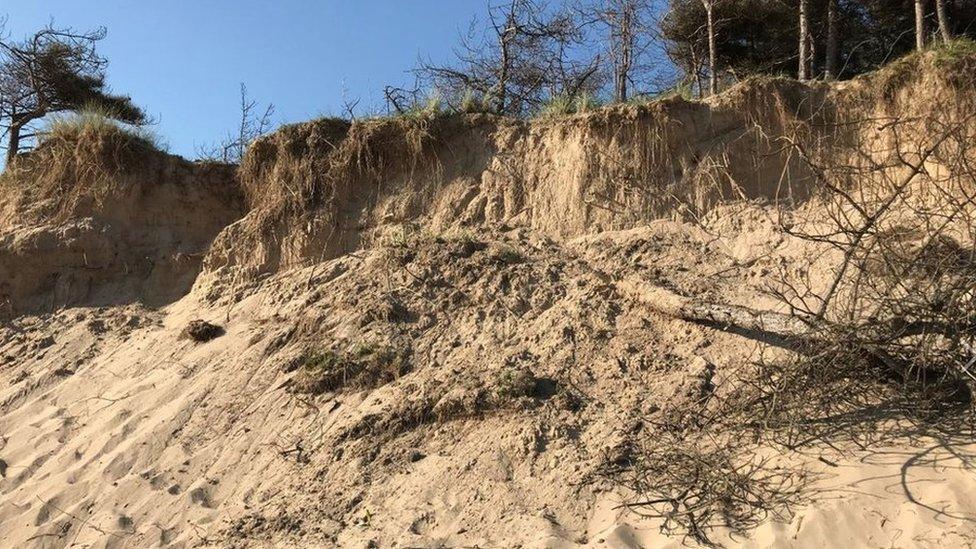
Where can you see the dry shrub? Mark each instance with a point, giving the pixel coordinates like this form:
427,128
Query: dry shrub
290,163
898,212
698,484
889,348
304,168
312,187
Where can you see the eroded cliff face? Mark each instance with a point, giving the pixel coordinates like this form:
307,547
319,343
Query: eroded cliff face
317,190
432,331
323,188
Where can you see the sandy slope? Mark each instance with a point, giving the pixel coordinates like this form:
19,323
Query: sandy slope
118,432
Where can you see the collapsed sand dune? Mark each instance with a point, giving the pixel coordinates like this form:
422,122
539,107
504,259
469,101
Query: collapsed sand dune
425,340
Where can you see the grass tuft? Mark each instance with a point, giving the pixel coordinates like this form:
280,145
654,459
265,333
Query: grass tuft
81,160
97,120
364,366
958,55
953,61
471,102
427,109
514,381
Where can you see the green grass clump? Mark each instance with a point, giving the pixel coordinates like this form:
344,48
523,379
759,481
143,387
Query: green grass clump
513,382
471,102
959,49
562,105
427,109
955,61
365,366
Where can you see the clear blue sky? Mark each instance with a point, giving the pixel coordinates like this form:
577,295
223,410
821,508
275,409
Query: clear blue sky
183,60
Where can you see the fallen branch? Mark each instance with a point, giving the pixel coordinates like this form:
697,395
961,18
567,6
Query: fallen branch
720,315
798,334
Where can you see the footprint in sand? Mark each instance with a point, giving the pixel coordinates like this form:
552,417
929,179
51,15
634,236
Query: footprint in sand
44,514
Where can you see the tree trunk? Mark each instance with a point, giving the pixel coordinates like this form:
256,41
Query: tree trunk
813,69
696,70
503,75
669,303
712,76
13,143
626,33
803,71
783,330
919,25
940,11
832,47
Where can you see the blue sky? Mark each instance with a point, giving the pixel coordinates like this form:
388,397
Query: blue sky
183,61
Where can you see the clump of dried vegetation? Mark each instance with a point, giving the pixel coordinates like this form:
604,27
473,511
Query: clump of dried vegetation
513,381
695,485
307,167
80,157
202,331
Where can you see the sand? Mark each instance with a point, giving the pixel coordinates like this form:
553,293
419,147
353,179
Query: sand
120,431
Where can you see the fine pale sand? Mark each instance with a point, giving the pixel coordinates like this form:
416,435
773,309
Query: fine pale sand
120,432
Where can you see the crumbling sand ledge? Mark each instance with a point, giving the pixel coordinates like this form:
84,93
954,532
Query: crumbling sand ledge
105,219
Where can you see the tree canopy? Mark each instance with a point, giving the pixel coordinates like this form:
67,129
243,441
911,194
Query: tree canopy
531,52
54,70
760,36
